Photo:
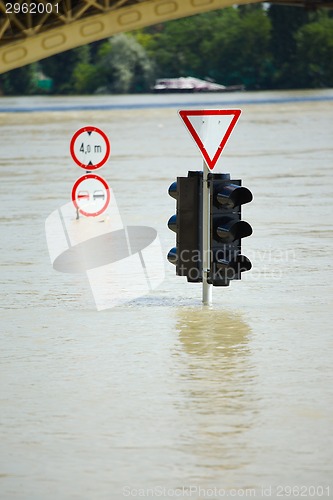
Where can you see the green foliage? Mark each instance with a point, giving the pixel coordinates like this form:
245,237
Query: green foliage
177,46
230,46
314,49
121,65
61,68
285,22
238,51
278,47
20,81
125,65
86,78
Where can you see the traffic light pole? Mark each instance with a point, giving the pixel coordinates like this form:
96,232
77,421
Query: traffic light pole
207,288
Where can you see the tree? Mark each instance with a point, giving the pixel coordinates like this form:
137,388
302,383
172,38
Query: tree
285,21
124,65
121,65
61,68
176,46
230,46
87,78
238,51
314,49
282,47
20,81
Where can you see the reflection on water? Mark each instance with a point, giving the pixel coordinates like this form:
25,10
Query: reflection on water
214,334
219,380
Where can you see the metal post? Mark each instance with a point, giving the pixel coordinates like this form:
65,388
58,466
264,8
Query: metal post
206,287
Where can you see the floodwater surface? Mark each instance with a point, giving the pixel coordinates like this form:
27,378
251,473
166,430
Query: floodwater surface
161,396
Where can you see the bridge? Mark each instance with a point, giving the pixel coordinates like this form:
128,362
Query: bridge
31,30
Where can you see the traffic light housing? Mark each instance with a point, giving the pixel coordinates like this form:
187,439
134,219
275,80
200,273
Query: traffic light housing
187,224
227,229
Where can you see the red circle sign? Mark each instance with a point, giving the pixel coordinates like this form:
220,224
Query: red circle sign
90,148
91,195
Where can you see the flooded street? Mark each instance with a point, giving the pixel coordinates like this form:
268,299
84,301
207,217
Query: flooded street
163,397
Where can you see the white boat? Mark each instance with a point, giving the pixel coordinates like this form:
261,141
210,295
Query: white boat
191,84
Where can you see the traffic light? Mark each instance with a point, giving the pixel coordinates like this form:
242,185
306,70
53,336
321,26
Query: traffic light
227,229
187,224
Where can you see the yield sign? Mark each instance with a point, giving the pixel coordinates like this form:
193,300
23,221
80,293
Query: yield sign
211,129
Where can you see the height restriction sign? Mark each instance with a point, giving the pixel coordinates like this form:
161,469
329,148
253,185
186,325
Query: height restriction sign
90,148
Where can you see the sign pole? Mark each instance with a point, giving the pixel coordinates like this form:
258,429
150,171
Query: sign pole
207,289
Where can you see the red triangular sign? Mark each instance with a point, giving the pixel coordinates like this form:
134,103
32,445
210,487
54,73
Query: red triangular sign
211,129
